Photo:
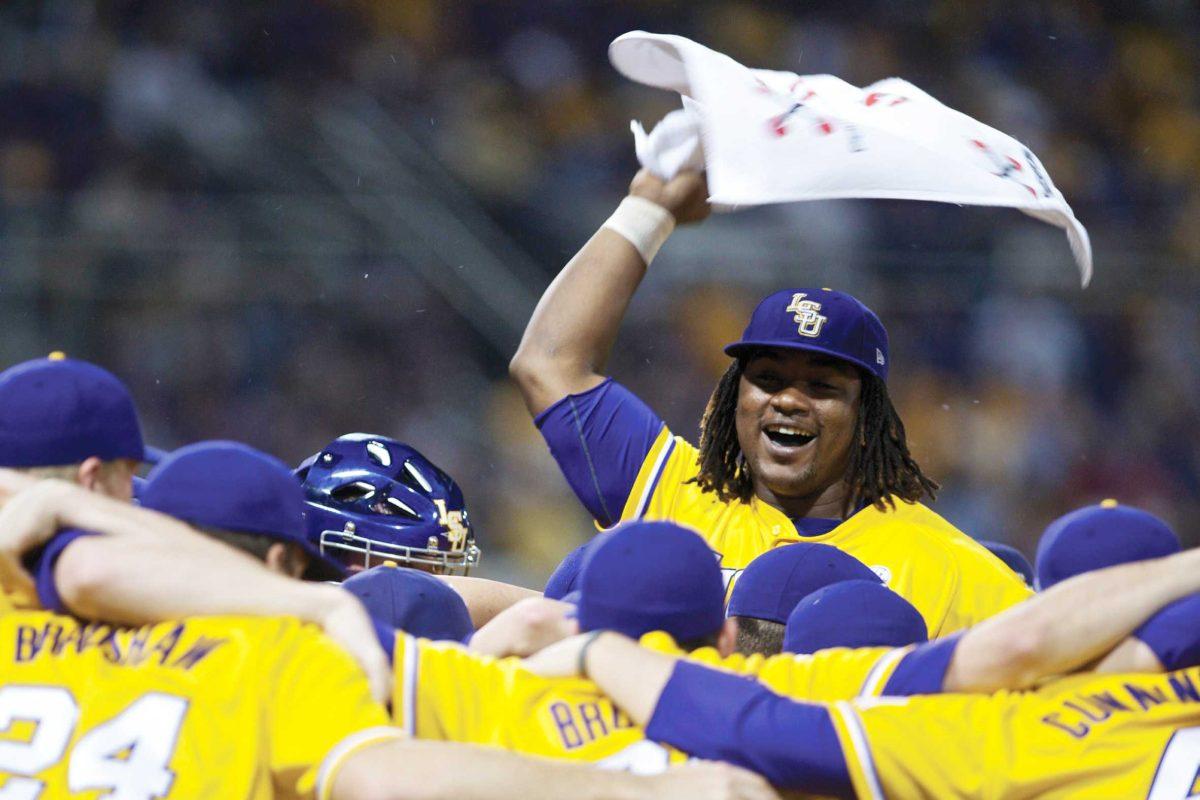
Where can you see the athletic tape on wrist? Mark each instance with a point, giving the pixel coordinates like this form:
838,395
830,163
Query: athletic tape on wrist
581,665
645,224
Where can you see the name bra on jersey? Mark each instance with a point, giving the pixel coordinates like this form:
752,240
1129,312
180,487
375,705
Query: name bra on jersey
578,724
124,646
1081,713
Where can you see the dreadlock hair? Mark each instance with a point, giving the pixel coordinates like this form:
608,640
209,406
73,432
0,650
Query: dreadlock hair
880,467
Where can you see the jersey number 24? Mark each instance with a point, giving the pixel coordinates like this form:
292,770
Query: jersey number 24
126,756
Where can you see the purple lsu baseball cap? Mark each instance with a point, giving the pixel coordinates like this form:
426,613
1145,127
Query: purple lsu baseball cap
233,487
772,584
651,576
820,321
412,601
1095,537
56,411
853,614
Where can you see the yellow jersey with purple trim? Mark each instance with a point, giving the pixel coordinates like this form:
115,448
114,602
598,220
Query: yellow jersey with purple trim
1088,736
445,692
625,464
952,580
838,673
216,707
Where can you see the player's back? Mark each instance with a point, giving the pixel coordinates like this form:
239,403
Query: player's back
445,692
1085,736
226,707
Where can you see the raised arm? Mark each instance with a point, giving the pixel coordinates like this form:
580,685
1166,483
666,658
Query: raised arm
1070,625
571,333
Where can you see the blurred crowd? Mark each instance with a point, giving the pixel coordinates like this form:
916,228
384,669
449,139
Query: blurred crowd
154,219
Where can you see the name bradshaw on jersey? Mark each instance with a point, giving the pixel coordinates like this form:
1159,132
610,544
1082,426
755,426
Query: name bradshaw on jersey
119,646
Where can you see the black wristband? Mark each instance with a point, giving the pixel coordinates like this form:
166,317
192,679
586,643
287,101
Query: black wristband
581,664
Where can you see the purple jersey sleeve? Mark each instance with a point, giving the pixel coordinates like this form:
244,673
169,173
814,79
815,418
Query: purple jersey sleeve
726,717
923,671
1174,634
600,438
43,569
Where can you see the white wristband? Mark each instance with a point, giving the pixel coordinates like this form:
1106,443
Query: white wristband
645,224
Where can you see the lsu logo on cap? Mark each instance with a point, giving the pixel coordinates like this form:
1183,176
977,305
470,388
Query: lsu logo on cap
807,315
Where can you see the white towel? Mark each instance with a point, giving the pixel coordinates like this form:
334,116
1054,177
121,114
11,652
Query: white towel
674,143
777,137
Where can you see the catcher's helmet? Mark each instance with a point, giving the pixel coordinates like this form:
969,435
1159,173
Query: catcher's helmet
372,499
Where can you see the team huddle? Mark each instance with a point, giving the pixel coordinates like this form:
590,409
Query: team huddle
771,610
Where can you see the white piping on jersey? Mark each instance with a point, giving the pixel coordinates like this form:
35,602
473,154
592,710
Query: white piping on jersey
652,478
858,739
347,747
410,685
879,673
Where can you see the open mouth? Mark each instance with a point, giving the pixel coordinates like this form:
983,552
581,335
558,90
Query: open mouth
788,436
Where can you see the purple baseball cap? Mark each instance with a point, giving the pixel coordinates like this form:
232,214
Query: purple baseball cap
819,321
57,410
853,614
1095,537
233,487
651,576
774,582
1013,558
412,601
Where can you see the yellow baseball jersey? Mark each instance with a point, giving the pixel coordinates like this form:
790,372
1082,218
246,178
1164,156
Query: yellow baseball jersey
220,707
1088,736
625,464
445,692
952,580
837,673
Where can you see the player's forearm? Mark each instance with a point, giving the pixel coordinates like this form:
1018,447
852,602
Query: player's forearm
1131,655
571,333
135,582
485,598
632,676
98,513
1069,625
526,628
